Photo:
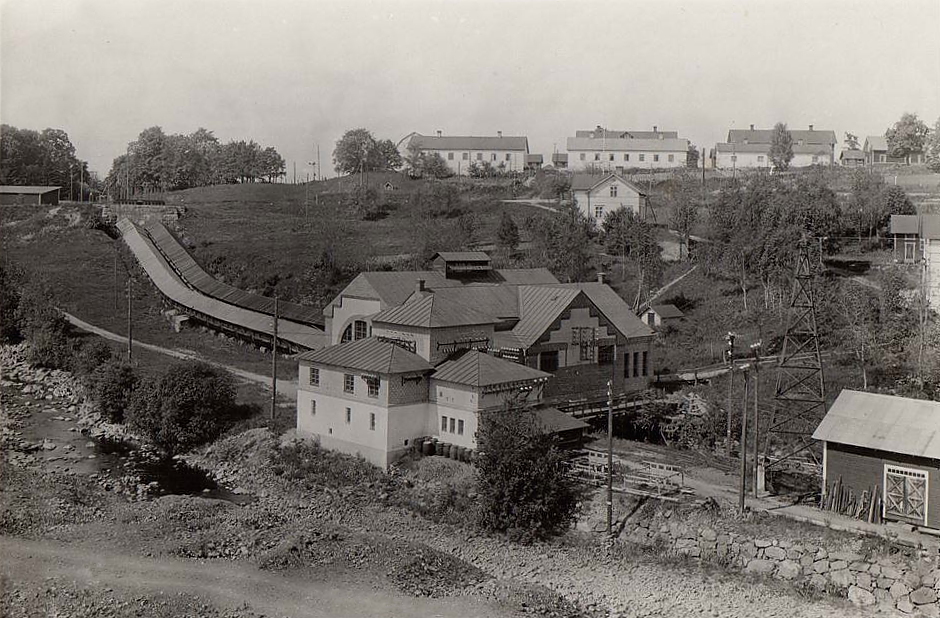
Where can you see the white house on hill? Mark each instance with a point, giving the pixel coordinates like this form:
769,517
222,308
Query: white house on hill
460,152
750,148
595,196
607,150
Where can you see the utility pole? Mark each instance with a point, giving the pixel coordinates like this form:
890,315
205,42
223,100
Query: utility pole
743,488
729,338
130,322
757,465
274,364
115,287
923,318
610,456
295,172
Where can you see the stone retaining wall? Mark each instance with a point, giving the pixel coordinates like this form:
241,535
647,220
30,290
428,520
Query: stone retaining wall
907,584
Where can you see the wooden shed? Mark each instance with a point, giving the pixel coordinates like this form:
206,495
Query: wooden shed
889,444
12,195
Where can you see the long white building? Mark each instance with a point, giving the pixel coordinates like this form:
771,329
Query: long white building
460,152
750,148
608,150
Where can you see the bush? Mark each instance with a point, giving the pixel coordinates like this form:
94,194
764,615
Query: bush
189,405
522,484
9,301
50,348
313,466
91,354
111,386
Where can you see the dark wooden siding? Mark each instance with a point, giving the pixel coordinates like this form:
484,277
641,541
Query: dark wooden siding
862,469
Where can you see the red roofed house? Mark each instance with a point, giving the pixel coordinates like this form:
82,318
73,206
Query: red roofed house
460,339
459,152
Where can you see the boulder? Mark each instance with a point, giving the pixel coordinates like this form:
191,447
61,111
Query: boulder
845,555
760,567
709,535
923,596
863,580
821,566
842,578
898,590
860,596
904,605
775,553
788,570
760,543
838,565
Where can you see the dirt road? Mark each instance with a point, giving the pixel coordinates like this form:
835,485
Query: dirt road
285,388
222,583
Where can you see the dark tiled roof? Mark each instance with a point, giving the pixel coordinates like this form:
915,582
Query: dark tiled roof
474,368
539,308
613,133
905,224
876,142
560,157
368,355
462,256
765,136
852,154
613,144
667,311
430,310
533,158
469,142
586,182
613,307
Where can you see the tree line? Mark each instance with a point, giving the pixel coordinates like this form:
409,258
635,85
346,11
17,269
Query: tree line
46,158
156,161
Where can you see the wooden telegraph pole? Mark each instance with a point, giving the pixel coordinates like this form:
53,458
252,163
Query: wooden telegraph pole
274,364
757,471
130,322
729,338
610,456
744,414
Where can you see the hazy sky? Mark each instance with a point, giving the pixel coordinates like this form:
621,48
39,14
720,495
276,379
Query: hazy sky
292,74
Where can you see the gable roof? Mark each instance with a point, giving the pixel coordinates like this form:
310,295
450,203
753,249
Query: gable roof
589,182
613,307
876,142
461,256
926,226
553,420
613,144
559,157
601,133
884,423
533,158
470,142
25,190
765,136
478,369
429,310
852,153
667,311
370,355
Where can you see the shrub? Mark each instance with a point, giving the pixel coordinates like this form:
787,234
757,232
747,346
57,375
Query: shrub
189,405
51,348
111,386
522,484
91,354
9,301
314,466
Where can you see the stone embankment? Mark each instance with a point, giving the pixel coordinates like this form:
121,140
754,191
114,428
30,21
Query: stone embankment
906,583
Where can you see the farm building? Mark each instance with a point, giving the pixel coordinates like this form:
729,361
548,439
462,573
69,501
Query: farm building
460,152
533,162
608,150
663,315
750,148
917,241
11,195
560,160
876,152
888,444
852,158
595,196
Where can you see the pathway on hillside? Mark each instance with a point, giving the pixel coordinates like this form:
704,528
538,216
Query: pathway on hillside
285,388
538,203
232,585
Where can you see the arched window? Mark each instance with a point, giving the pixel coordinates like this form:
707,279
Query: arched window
347,334
361,329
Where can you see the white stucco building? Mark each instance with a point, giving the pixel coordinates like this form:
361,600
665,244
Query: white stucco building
460,152
603,149
750,148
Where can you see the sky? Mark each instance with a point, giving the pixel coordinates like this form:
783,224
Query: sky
297,74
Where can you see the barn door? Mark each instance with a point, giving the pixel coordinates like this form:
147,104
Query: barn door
905,494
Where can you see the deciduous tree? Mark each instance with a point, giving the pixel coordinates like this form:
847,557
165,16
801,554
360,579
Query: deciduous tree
932,148
507,234
781,147
906,136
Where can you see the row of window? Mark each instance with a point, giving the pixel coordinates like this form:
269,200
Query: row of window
449,424
313,412
548,361
355,331
760,158
479,156
626,157
639,367
349,382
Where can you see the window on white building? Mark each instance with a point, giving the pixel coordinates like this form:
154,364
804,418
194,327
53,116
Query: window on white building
443,423
466,156
760,158
493,156
479,156
611,157
373,384
372,421
450,156
362,329
349,383
460,427
582,156
453,422
655,157
626,156
613,190
348,415
598,212
314,376
642,157
734,157
347,334
597,156
815,159
672,158
313,407
508,157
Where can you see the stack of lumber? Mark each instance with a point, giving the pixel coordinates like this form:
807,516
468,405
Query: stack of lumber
843,500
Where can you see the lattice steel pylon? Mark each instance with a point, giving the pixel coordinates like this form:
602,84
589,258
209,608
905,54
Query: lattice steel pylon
800,394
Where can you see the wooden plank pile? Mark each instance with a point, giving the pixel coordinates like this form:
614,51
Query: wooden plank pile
866,506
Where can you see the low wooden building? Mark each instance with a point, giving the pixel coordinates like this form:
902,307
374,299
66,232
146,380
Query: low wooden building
11,195
662,315
888,444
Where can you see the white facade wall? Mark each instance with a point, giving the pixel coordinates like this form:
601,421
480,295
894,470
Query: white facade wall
932,256
329,424
457,402
600,197
459,161
348,311
728,160
420,336
610,160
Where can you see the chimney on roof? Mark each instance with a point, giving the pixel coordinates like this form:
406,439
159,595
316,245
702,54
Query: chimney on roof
655,129
752,127
601,277
810,127
499,134
438,133
420,285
